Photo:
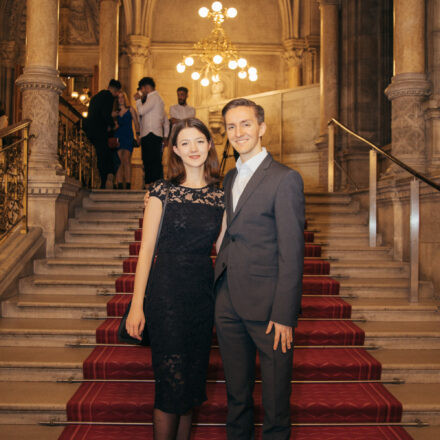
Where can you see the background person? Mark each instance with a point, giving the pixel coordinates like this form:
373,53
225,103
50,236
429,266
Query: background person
127,116
181,110
97,126
151,113
180,303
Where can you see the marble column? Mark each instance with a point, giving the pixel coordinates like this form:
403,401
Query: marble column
409,86
329,86
108,41
138,53
49,189
293,56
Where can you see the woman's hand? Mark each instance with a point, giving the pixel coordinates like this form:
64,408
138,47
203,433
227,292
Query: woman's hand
115,114
135,322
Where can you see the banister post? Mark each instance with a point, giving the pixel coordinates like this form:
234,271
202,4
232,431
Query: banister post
331,157
414,239
372,221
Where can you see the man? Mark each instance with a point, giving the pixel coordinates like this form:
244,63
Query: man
181,110
153,128
258,276
97,125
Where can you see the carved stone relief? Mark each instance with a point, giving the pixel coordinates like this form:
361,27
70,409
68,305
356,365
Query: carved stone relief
82,22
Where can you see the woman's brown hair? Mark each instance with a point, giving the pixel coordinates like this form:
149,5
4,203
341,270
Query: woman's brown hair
176,170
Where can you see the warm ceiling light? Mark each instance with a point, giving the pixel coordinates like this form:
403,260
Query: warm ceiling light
84,114
217,6
217,59
189,61
203,12
231,13
253,77
242,74
74,95
204,82
195,76
82,98
232,64
180,68
242,63
252,71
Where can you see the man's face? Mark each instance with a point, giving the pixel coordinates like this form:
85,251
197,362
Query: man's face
114,91
181,97
145,90
243,131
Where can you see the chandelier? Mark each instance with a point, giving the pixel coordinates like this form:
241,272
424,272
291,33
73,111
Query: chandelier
216,52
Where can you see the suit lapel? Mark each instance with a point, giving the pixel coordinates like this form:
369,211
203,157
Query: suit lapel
258,176
228,190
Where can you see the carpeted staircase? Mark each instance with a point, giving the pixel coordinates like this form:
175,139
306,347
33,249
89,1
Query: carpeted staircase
336,380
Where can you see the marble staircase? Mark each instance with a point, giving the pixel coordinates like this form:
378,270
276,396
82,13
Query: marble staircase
64,301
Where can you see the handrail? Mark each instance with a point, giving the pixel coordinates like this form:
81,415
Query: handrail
14,178
414,220
387,155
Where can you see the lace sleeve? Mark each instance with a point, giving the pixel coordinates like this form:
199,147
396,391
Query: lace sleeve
158,189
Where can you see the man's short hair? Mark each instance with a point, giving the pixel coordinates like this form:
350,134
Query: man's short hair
147,81
243,102
182,89
115,84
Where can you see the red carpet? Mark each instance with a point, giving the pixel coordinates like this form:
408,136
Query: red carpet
324,321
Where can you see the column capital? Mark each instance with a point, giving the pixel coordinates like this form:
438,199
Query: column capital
294,50
408,84
138,48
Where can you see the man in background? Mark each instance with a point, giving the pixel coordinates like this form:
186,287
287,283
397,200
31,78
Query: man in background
97,125
181,110
153,128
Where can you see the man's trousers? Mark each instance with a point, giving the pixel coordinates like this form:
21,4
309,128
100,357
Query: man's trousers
239,340
152,157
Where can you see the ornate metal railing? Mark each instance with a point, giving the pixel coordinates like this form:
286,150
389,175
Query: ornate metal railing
75,152
14,154
414,221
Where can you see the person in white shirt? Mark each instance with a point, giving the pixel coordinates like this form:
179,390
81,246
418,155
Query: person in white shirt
181,110
153,128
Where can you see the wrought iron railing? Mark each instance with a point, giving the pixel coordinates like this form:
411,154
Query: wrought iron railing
76,153
14,154
414,221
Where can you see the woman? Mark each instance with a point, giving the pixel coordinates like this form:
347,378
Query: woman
125,117
180,304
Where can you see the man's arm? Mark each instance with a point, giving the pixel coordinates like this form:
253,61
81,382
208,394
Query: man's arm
289,217
107,109
147,106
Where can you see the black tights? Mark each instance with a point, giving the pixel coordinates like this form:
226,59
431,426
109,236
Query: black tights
172,426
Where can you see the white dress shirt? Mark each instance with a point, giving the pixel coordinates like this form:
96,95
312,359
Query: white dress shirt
244,173
182,111
151,115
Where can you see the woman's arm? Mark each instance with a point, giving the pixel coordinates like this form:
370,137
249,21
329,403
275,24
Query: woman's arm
134,115
222,233
136,319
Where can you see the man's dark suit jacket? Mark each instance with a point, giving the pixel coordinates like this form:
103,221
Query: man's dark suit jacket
99,116
263,247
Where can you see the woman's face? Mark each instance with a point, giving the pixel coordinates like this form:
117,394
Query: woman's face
192,147
121,99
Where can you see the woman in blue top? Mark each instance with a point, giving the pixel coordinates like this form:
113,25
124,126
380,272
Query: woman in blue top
126,117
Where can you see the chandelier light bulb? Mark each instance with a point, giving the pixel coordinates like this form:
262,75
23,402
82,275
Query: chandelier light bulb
252,71
82,98
195,76
231,12
189,61
204,82
215,78
253,77
217,59
242,63
75,95
242,74
180,68
217,6
84,114
232,64
203,12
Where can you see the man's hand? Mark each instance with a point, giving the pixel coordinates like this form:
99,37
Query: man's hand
137,96
283,333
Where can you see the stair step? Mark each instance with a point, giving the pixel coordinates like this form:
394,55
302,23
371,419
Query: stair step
360,253
54,332
73,266
327,198
335,218
119,195
373,268
112,224
91,249
331,209
96,213
103,235
342,239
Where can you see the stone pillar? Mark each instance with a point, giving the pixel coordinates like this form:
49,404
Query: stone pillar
108,41
329,86
409,86
138,53
293,55
50,190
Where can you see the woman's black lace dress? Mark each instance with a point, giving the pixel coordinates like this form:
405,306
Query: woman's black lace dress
180,304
